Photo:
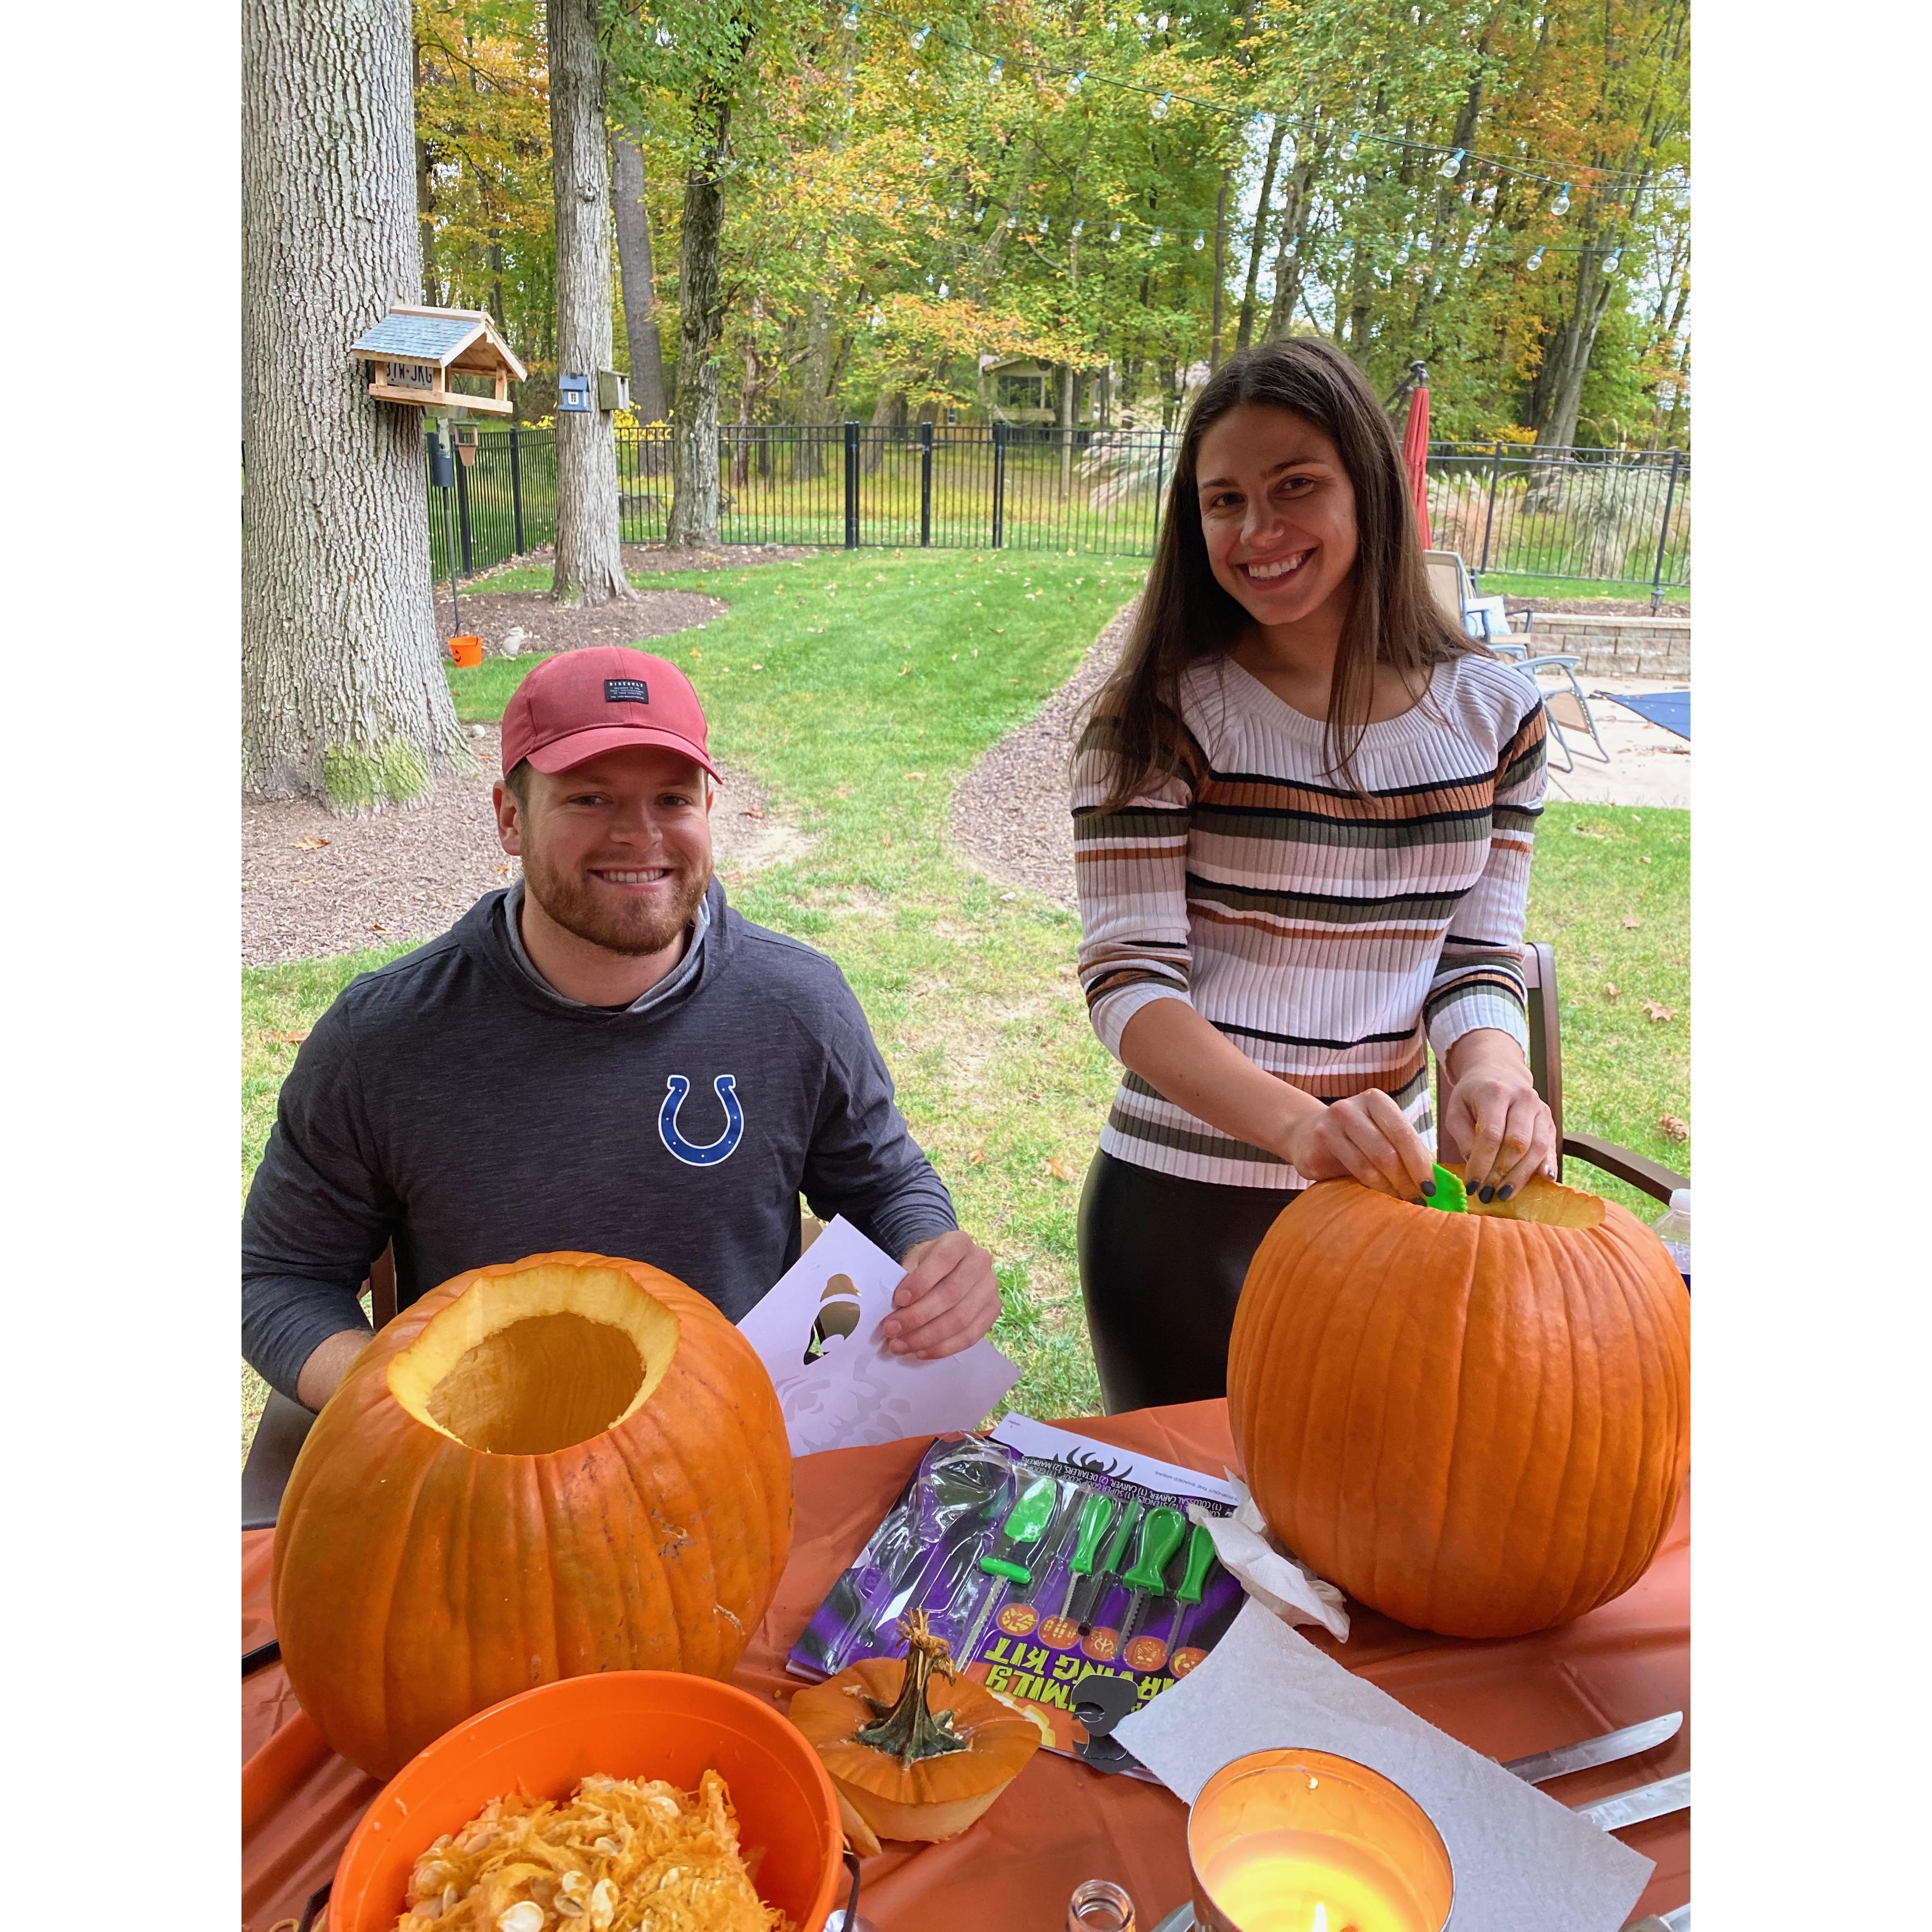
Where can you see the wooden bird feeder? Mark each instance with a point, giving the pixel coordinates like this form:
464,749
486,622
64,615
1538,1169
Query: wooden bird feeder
413,354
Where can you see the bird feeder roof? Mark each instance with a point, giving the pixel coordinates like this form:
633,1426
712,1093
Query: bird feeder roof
448,338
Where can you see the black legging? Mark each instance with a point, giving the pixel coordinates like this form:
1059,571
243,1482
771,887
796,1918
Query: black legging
1161,1261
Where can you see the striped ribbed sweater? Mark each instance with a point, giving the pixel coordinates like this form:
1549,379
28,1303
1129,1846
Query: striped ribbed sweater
1332,938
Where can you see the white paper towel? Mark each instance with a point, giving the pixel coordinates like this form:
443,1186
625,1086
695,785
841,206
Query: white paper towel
1289,1588
1523,1863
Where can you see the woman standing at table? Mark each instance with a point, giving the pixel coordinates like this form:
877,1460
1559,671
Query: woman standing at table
1303,812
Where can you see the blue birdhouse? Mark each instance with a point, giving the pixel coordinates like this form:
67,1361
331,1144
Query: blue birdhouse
573,396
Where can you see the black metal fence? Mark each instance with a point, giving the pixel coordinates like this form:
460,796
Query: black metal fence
1598,516
1595,516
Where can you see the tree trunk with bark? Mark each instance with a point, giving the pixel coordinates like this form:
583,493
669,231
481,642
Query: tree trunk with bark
1244,329
589,567
634,265
815,378
700,294
343,691
1220,271
1557,394
1298,205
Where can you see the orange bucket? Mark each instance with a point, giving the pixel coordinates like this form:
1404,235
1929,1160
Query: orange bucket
625,1724
468,652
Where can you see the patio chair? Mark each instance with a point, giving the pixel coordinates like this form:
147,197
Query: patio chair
1545,1067
1554,677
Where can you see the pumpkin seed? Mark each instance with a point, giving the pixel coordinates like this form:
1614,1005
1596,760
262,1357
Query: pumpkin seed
568,1908
524,1917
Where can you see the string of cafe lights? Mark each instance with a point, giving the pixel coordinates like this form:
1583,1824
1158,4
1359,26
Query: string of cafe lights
1453,159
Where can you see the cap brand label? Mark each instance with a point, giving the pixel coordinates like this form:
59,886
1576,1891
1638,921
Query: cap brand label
626,690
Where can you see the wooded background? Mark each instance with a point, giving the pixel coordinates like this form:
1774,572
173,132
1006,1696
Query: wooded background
842,212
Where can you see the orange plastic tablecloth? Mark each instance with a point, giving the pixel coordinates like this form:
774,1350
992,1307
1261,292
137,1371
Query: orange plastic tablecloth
1059,1822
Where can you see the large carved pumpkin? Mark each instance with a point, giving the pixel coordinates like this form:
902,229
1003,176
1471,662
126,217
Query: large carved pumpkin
565,1465
1476,1423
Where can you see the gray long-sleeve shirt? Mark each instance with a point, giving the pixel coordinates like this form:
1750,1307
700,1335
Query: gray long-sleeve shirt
452,1103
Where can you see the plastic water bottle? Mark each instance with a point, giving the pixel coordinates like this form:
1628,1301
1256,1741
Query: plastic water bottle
1673,1227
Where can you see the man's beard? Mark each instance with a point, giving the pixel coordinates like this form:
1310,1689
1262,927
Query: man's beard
636,931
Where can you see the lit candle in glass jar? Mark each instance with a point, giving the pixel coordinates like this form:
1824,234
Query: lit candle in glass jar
1306,1841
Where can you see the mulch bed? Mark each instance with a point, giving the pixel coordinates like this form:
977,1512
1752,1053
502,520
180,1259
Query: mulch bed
492,616
1009,814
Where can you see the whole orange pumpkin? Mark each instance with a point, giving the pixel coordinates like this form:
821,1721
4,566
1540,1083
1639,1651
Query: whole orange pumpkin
1476,1423
564,1465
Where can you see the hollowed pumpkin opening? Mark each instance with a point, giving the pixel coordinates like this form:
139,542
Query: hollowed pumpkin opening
527,1363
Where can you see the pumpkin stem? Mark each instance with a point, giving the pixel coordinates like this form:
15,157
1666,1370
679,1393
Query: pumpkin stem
907,1730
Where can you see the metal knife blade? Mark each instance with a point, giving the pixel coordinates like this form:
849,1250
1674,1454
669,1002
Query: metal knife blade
1633,1807
1544,1766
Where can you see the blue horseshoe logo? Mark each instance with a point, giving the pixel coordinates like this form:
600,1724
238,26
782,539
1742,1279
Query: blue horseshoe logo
726,1087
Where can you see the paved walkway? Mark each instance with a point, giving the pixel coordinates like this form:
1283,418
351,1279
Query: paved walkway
1648,765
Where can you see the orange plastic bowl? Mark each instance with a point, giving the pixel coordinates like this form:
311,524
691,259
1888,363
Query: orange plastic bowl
625,1724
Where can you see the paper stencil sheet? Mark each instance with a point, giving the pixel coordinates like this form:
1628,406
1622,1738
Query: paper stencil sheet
816,1333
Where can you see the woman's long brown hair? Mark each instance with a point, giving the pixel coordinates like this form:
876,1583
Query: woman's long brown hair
1185,615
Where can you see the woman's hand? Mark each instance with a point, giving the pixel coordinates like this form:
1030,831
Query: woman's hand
1366,1136
1495,1112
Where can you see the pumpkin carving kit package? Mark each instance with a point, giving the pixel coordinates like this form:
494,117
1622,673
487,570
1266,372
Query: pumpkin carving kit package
1063,1574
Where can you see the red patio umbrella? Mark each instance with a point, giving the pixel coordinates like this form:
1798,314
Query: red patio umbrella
1415,450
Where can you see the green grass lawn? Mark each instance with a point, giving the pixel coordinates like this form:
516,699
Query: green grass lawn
1559,589
858,688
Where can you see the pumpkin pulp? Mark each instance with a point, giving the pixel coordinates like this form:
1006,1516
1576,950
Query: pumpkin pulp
530,1363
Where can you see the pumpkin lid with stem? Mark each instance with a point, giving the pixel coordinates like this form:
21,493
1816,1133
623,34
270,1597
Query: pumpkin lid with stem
917,1750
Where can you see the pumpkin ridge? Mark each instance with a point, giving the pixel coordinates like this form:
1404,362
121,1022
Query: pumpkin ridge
657,1445
383,1624
1458,1429
1391,1236
1643,1308
1621,1303
1582,1466
1303,1364
765,1560
1585,1373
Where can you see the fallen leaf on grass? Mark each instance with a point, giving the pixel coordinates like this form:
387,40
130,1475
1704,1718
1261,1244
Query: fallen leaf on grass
291,1039
311,845
977,1158
887,840
752,811
1630,925
1672,1128
1655,1010
1056,1169
1609,992
913,778
376,925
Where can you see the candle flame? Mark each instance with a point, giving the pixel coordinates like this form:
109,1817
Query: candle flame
1321,1919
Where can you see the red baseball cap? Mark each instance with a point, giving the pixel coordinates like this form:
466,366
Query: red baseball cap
580,704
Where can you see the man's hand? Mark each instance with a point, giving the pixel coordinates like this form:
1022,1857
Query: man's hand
947,1301
327,1362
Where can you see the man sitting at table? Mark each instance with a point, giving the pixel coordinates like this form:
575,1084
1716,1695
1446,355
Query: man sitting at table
604,1057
